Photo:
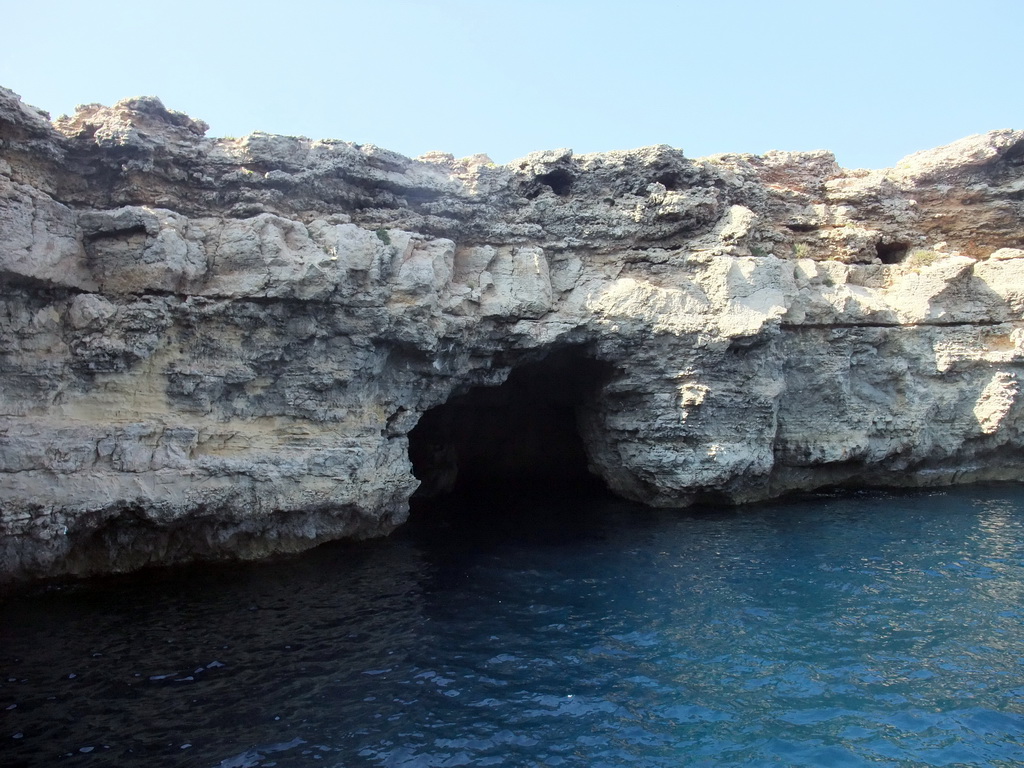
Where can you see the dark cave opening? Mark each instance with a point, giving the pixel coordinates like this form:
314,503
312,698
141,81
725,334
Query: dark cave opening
559,180
513,441
892,253
670,180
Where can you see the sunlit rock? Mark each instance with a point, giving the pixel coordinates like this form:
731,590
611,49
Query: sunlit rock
236,347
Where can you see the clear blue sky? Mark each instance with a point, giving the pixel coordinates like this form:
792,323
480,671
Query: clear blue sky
871,81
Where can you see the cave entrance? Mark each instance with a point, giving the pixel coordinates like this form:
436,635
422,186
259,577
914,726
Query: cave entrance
519,439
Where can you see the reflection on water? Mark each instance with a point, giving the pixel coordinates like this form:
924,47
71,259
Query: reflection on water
872,629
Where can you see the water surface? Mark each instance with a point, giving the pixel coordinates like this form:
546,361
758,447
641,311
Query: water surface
868,629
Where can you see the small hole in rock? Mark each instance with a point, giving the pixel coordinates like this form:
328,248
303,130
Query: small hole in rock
559,180
668,180
892,253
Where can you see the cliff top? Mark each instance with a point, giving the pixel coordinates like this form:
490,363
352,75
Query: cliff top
138,152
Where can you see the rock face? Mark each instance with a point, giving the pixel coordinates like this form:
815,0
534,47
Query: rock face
234,347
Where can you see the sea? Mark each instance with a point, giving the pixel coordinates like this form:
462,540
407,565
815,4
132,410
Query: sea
856,628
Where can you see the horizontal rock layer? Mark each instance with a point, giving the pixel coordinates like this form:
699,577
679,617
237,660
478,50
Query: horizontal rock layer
219,347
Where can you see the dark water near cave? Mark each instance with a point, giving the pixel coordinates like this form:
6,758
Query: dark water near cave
872,629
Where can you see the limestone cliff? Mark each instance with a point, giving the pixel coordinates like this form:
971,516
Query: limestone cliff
221,347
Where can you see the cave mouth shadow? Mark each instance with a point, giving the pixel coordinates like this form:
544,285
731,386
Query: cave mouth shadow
512,445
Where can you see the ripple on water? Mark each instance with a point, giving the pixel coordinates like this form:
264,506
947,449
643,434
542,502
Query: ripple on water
877,629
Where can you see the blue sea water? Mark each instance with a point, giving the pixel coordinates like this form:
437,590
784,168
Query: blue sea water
867,629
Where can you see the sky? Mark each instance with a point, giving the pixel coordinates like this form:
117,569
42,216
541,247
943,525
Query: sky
870,81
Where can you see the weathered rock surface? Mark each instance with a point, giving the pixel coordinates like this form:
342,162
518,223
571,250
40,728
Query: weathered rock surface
219,347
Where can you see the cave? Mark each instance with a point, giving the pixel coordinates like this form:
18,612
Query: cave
520,439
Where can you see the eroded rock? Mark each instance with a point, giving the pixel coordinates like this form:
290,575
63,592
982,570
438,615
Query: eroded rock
220,347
